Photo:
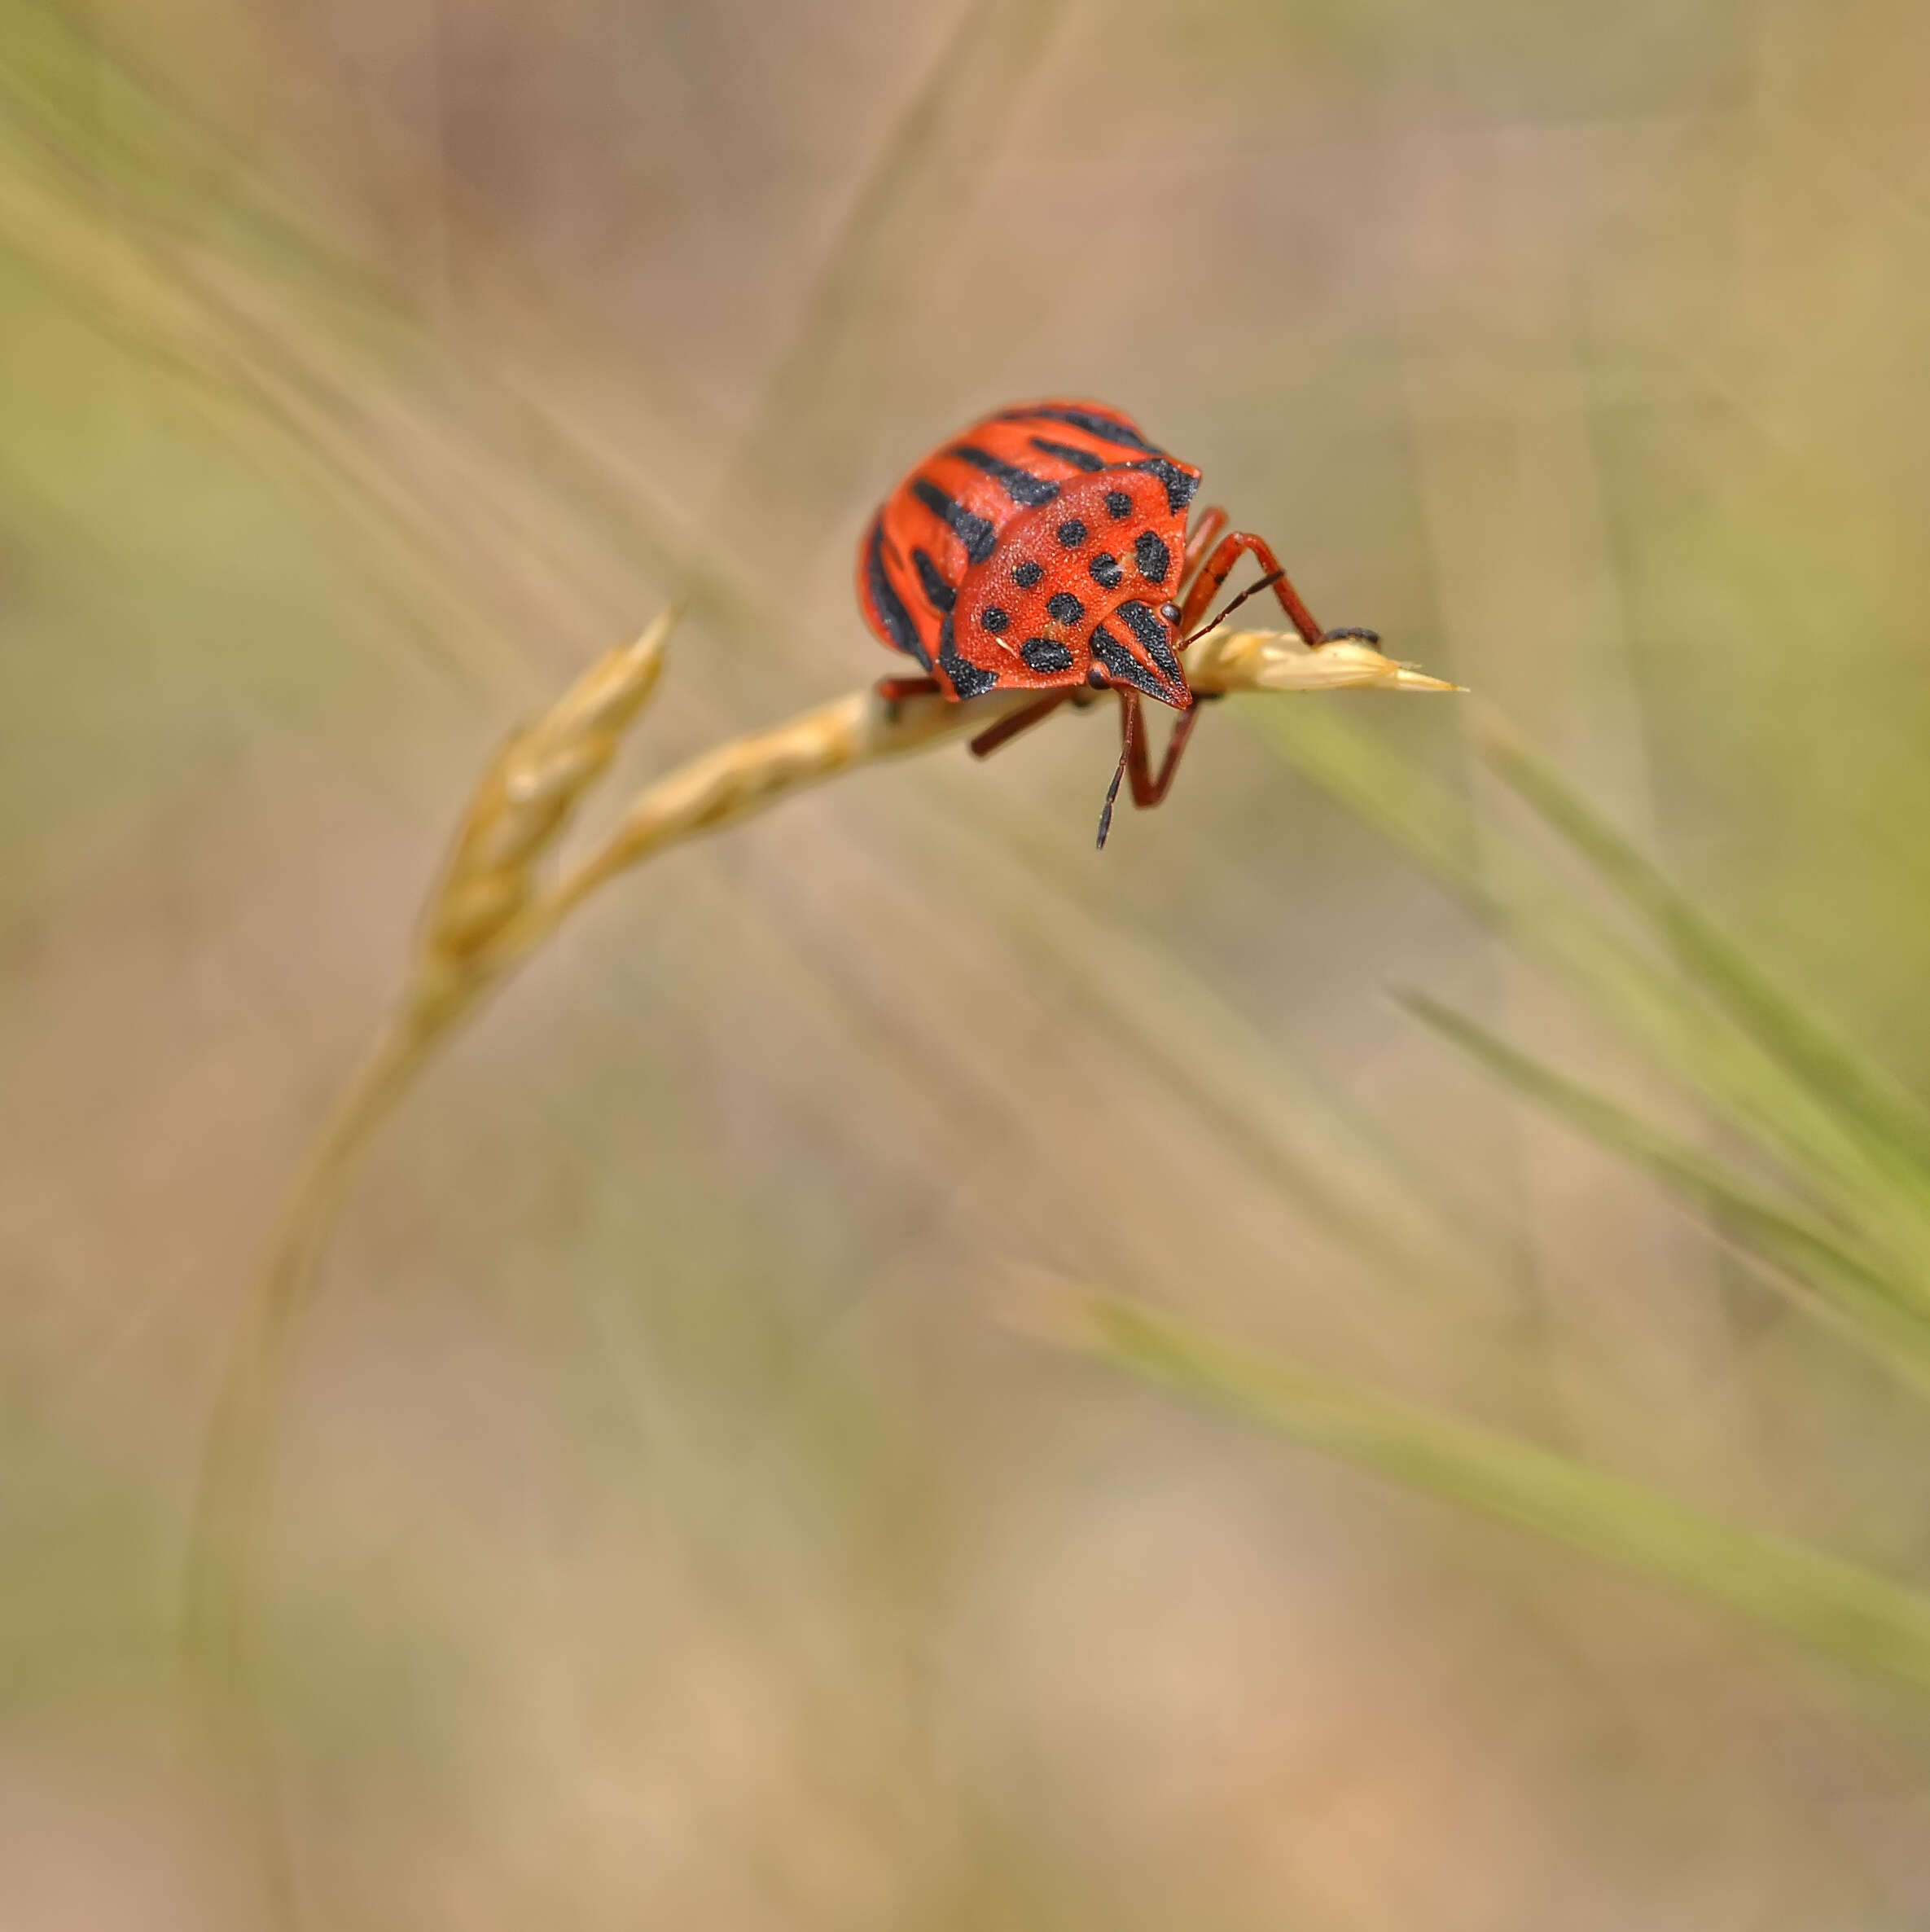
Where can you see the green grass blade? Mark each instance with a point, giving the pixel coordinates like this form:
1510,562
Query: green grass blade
1827,1067
1421,816
1675,1023
1820,1267
1833,1606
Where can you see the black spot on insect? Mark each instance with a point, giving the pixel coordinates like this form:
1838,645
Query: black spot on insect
1125,668
938,592
1151,634
994,619
967,680
1079,459
1108,428
1045,654
1025,490
1180,487
886,601
1062,607
973,532
1072,533
1027,574
1170,612
1151,554
1096,678
1119,506
1106,572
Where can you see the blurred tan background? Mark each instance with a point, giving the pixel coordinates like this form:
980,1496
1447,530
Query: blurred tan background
668,1528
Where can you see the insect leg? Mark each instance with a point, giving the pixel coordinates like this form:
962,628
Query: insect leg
1218,567
1008,728
1212,522
1147,789
895,690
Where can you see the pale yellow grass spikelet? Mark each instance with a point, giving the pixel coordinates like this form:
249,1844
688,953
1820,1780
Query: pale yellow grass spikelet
1229,661
522,807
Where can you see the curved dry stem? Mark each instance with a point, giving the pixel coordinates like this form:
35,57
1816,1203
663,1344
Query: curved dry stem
219,1566
488,913
224,1534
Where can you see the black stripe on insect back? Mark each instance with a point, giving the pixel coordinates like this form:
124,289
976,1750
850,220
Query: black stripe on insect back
1025,490
1070,453
1179,486
973,532
938,592
888,605
967,679
1109,429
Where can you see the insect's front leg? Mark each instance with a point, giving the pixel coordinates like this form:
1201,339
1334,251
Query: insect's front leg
1218,567
1212,522
1149,789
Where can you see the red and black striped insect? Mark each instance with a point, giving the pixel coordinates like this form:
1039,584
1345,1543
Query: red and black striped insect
1046,550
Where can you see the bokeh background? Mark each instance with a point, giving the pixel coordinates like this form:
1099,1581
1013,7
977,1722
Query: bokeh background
671,1524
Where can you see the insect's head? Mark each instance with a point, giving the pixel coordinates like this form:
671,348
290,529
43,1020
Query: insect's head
1136,647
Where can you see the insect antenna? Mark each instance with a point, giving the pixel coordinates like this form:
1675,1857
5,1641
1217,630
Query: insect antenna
1111,793
1266,583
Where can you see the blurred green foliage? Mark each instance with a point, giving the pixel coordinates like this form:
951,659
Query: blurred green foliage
662,1528
1848,1239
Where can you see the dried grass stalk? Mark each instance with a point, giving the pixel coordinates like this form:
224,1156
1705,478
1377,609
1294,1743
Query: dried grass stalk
491,908
746,776
522,807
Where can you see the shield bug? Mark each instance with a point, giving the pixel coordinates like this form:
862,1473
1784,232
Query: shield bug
1052,548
